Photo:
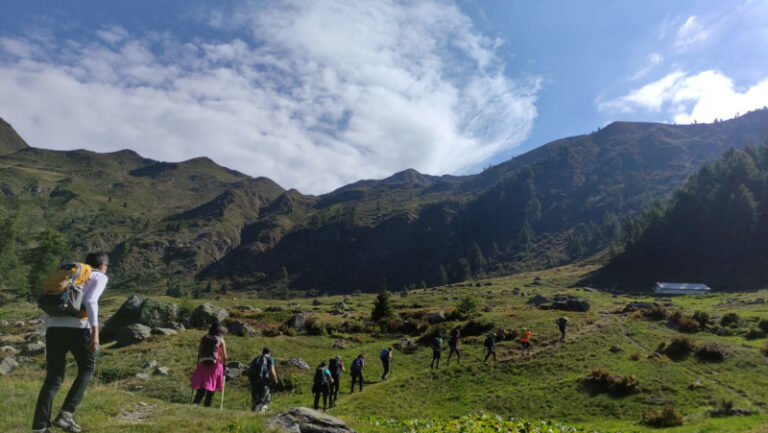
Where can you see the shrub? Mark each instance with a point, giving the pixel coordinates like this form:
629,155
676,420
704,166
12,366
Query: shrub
433,331
730,320
701,317
711,352
667,417
315,326
655,312
675,317
271,332
763,324
614,384
468,306
288,383
679,348
635,356
754,333
477,326
687,324
764,350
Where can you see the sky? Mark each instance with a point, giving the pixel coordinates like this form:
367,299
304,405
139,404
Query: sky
318,94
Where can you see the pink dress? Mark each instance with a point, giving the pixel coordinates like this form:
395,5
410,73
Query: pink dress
209,376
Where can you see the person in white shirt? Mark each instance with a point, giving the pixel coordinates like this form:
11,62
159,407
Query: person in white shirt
77,334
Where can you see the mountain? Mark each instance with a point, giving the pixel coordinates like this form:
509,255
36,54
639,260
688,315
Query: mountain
712,231
191,222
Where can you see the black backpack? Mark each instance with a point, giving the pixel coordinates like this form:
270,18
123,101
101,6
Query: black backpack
488,342
258,371
335,366
321,380
210,349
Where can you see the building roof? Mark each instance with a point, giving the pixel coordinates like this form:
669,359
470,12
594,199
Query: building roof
682,286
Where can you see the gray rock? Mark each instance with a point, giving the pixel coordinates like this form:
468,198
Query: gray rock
178,326
207,313
163,331
298,321
3,323
437,317
132,334
7,349
299,363
236,364
232,373
244,308
340,344
162,371
23,359
303,420
406,345
636,306
19,324
34,349
148,312
242,329
569,303
616,349
35,322
7,365
142,376
724,332
538,300
149,364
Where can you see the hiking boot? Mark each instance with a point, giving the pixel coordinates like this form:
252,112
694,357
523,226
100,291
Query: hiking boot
67,422
42,430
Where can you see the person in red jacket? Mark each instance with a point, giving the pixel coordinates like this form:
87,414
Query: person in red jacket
525,342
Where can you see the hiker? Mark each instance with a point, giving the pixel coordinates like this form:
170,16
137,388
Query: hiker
386,361
357,372
437,344
322,385
525,342
336,366
453,347
490,346
78,334
211,357
261,372
562,322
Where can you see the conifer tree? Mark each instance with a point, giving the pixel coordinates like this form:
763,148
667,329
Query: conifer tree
382,307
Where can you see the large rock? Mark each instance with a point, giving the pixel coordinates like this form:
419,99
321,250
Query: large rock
570,303
8,349
298,321
132,334
437,317
34,349
299,363
207,313
148,312
7,365
242,329
303,420
538,300
164,331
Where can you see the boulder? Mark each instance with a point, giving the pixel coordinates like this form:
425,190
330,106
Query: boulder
3,323
724,332
142,376
406,345
242,329
304,420
341,306
19,324
149,364
299,363
340,344
298,321
244,308
437,317
7,349
163,331
148,312
232,373
132,334
34,349
570,304
207,313
162,371
35,321
7,365
636,306
538,300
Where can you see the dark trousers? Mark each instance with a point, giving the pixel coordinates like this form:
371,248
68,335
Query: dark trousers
323,390
435,359
58,342
208,397
385,364
562,334
335,389
491,350
458,355
358,376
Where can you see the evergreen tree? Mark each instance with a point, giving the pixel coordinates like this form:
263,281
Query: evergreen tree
476,259
464,270
442,275
44,257
12,270
382,307
209,288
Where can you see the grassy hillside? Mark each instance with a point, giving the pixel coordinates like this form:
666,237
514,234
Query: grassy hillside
550,384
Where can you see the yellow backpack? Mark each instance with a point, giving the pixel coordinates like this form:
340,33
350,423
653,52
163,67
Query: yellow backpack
63,290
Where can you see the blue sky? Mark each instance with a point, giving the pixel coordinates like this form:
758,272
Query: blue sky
318,94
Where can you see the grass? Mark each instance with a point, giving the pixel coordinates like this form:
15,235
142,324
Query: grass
550,384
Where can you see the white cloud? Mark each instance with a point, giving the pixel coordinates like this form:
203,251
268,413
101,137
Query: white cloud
690,33
315,95
686,98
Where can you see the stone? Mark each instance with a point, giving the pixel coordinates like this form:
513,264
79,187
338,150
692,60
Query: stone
149,364
437,317
340,344
616,349
7,365
142,376
636,306
3,323
274,309
341,306
162,371
207,313
244,308
163,331
299,363
132,334
242,329
148,312
304,420
569,303
35,321
8,349
724,332
406,345
316,302
34,349
538,300
298,321
178,326
232,373
19,324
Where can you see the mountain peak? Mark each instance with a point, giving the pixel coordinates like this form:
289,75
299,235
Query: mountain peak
10,141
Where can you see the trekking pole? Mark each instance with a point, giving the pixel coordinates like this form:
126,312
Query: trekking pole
223,387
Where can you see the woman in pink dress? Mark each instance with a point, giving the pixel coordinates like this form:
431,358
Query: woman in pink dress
211,357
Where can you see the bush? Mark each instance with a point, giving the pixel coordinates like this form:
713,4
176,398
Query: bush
689,325
701,317
730,320
614,384
675,317
754,333
764,350
711,352
655,312
288,383
477,326
679,348
468,306
667,417
433,331
763,324
315,326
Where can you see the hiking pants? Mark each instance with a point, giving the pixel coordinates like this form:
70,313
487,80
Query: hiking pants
491,350
385,364
199,396
261,396
435,359
58,342
562,331
324,391
458,354
358,376
335,389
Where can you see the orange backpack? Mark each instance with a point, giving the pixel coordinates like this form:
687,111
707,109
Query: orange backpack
63,290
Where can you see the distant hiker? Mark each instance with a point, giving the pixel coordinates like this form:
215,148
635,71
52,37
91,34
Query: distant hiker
490,346
322,385
357,372
453,347
437,348
260,373
336,366
211,357
386,361
77,333
562,322
525,342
